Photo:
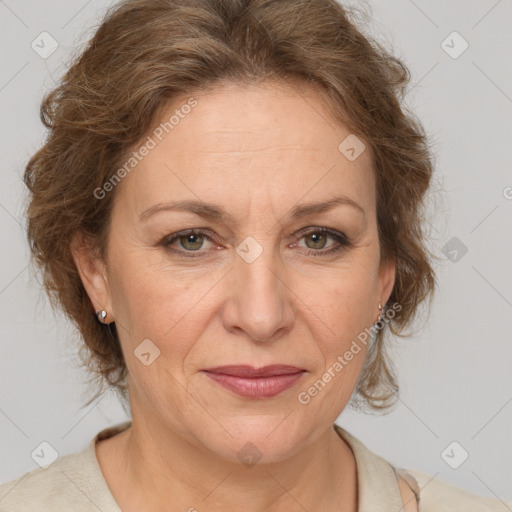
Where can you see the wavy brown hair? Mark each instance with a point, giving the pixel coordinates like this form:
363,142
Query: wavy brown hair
144,54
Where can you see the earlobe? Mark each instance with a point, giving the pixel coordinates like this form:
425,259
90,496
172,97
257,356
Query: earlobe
92,270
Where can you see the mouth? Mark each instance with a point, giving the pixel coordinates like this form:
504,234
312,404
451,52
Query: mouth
247,381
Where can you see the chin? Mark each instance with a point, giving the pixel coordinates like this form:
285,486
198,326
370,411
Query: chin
262,439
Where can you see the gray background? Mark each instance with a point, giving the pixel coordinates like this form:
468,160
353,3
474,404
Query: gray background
454,372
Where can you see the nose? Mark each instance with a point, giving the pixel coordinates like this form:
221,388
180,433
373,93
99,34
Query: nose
260,303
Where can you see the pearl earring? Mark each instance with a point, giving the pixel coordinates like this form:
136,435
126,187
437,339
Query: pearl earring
101,315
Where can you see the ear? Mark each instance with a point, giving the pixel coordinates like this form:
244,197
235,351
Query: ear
387,273
92,270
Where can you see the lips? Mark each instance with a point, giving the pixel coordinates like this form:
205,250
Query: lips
247,371
247,381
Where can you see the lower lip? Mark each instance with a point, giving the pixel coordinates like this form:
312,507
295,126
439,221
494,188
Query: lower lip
258,387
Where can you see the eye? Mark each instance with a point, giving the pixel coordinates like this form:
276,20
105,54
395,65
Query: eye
188,241
318,238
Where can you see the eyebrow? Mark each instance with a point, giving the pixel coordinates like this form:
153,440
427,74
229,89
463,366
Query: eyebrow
213,212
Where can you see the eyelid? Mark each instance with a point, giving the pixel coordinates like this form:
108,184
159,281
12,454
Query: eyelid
341,241
168,239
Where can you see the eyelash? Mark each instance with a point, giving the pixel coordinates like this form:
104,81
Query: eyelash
340,238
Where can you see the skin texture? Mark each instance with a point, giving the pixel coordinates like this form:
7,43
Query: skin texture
257,152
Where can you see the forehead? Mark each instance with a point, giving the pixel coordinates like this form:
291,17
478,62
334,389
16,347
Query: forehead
248,142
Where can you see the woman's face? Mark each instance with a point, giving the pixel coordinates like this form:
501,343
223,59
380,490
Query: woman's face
258,284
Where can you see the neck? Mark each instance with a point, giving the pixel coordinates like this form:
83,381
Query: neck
143,475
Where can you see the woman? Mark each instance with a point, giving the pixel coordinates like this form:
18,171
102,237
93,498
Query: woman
239,198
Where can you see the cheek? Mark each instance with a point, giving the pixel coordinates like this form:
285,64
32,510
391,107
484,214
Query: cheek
353,307
346,307
150,302
345,302
341,312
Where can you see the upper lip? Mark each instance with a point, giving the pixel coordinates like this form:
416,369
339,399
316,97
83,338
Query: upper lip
250,371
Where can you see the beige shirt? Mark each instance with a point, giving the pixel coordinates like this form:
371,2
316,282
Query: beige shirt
75,483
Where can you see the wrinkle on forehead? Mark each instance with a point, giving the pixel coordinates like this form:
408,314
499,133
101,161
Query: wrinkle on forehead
251,146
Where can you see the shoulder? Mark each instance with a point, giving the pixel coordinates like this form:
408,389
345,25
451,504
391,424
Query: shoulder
51,488
381,482
74,482
440,496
